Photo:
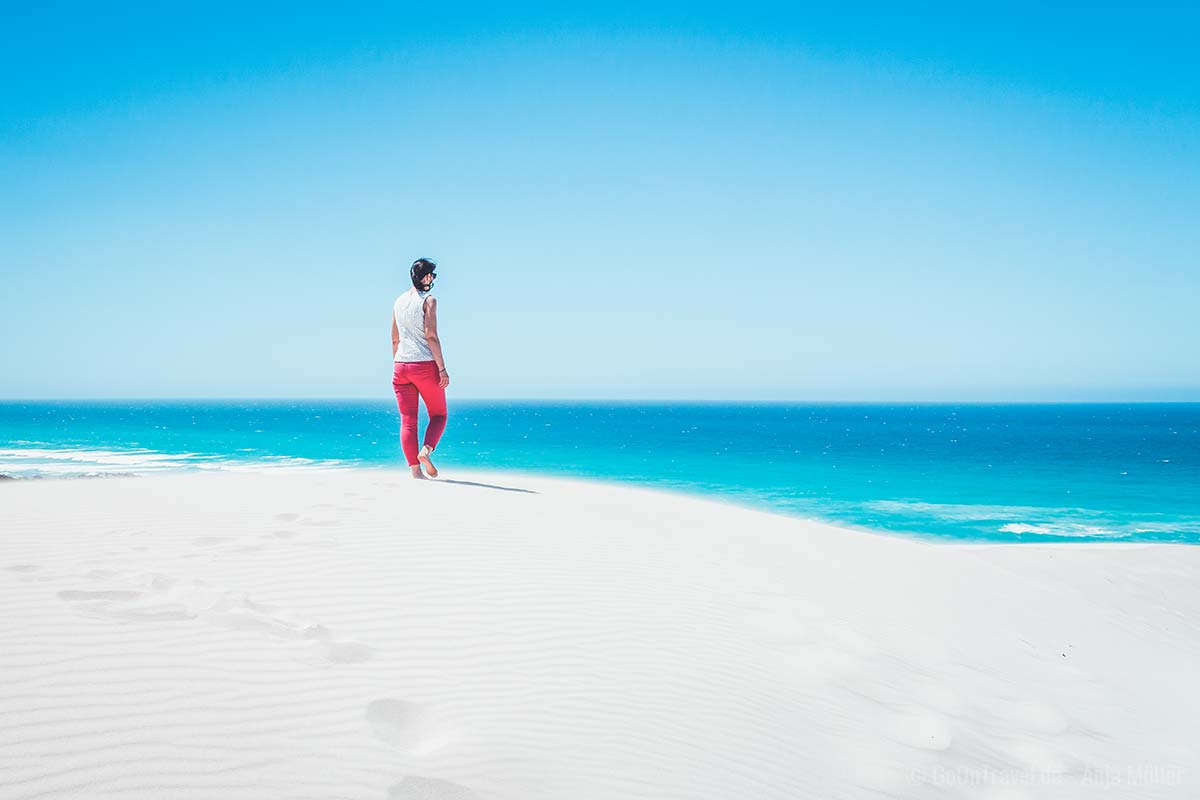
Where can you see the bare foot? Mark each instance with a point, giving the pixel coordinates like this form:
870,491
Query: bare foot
416,473
423,457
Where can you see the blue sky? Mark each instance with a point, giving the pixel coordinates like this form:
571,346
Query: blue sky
689,202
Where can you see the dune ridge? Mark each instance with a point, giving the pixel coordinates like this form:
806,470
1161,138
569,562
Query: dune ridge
355,634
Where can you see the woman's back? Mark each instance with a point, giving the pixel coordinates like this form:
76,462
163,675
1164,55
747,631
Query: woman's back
409,312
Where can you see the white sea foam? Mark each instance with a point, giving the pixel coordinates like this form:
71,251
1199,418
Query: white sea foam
1190,526
96,456
1073,529
1081,523
964,512
43,462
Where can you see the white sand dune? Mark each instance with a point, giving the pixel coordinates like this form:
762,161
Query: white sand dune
356,634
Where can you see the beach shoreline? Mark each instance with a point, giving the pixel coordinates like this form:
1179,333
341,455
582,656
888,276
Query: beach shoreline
351,632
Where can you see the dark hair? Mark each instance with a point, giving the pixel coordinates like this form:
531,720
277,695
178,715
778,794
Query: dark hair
420,268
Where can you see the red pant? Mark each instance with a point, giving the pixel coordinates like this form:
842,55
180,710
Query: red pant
409,379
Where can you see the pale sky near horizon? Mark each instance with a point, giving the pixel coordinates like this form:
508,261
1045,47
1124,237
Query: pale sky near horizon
686,203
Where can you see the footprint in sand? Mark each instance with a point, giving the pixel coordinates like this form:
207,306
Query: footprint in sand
107,594
415,787
162,598
279,535
122,604
320,523
415,729
1041,757
1032,715
317,523
219,545
810,646
1032,733
298,538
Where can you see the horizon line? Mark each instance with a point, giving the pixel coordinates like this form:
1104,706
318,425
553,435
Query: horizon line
620,400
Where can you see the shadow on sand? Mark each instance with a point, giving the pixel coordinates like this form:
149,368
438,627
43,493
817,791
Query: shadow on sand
484,485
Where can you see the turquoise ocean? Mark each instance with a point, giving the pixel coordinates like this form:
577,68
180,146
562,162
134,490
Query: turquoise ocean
1031,473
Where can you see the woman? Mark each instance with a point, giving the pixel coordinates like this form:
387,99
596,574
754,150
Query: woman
418,367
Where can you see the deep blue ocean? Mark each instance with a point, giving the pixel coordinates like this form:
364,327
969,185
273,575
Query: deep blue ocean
965,472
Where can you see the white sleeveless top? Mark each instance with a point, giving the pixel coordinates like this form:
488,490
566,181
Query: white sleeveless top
409,313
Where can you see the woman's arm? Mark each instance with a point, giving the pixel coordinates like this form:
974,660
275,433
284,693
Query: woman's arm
395,336
435,344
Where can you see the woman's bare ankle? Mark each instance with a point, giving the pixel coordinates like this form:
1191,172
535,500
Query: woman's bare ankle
427,462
